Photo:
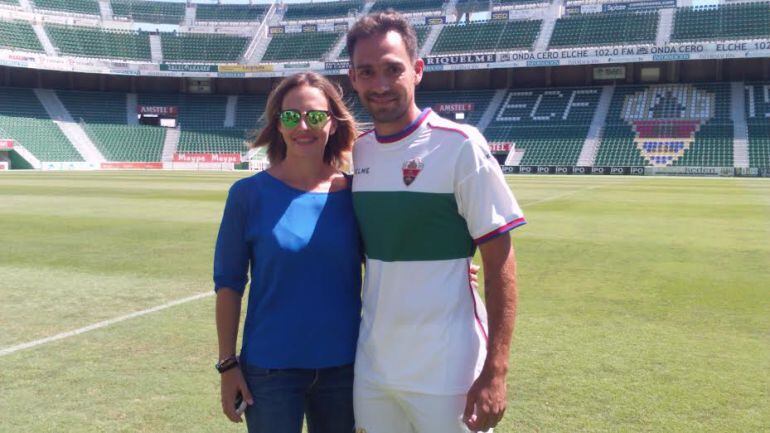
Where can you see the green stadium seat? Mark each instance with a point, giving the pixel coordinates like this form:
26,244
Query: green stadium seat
199,47
300,46
222,140
201,121
486,36
248,115
103,117
322,10
23,119
727,21
408,5
440,101
149,11
19,35
87,7
759,145
195,111
586,30
229,13
126,142
95,42
758,122
549,125
693,118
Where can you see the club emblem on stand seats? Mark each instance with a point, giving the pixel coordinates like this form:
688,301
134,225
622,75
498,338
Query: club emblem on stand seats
411,169
665,119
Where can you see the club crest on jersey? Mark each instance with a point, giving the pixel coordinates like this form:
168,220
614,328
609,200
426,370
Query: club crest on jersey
411,169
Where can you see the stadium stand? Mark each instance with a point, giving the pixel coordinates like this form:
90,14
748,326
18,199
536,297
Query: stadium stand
127,143
95,42
249,112
362,116
298,46
225,12
195,111
103,117
486,36
758,122
248,119
10,2
422,34
199,47
222,140
549,125
472,103
677,124
23,119
314,11
617,147
727,21
407,6
19,35
605,29
759,145
713,147
149,11
87,7
201,121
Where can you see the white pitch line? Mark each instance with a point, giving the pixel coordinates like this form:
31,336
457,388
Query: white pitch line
562,195
103,324
28,345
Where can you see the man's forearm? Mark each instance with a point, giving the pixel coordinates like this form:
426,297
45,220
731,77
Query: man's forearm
501,298
228,315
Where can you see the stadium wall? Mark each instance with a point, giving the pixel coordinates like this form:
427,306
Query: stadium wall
693,71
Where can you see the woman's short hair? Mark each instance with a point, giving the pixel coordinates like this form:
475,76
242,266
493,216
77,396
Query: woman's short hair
339,142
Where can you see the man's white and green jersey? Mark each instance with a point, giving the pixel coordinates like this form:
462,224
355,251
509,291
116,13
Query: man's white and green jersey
424,199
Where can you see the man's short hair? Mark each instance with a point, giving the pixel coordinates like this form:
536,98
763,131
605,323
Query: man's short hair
380,23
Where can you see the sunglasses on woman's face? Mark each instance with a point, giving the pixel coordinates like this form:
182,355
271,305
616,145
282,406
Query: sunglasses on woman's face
315,119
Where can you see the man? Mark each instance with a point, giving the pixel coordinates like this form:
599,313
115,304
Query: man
427,193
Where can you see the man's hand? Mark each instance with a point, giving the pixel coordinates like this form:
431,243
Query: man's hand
233,384
473,271
486,402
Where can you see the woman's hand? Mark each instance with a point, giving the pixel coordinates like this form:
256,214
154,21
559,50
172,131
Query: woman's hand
233,384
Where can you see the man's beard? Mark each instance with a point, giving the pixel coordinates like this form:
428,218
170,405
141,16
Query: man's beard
386,115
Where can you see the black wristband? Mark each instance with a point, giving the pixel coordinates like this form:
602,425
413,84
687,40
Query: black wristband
226,364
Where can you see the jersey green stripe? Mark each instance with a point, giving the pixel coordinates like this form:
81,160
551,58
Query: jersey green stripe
411,226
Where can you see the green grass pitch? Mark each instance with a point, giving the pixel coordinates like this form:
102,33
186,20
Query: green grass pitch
644,304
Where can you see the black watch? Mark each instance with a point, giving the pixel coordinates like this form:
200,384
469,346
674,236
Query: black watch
226,364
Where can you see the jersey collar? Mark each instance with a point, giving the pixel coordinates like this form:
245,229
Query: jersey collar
406,131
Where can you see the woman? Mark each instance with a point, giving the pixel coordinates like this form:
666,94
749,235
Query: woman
294,226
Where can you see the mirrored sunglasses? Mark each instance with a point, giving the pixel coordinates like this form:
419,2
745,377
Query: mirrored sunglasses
315,119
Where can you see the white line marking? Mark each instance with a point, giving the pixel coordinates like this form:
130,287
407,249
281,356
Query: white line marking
105,323
562,195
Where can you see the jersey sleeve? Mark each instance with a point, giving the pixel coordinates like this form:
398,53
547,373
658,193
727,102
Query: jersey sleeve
231,256
483,197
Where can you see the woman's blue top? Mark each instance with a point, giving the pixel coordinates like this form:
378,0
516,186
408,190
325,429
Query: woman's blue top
304,251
